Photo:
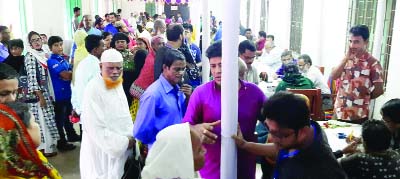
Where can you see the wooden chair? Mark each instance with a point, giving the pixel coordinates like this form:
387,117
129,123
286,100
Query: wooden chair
314,95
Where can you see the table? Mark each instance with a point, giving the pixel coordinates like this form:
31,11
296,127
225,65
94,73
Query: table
339,127
268,88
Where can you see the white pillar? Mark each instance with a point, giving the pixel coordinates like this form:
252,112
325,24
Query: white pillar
206,41
379,25
229,88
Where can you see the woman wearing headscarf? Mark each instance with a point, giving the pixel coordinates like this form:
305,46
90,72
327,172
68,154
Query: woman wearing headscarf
20,136
176,153
146,75
293,79
39,83
80,52
120,43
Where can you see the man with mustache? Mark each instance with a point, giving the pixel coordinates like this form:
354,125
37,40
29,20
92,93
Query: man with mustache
163,103
106,121
359,78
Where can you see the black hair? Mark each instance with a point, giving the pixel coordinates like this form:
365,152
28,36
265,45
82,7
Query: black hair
43,35
92,42
7,72
376,136
291,68
105,35
139,58
174,31
2,28
360,30
96,17
271,37
119,11
262,34
98,21
22,110
140,28
172,55
286,53
277,107
32,33
248,29
76,9
246,45
188,26
15,43
391,109
54,39
155,16
306,58
214,50
119,36
113,13
105,15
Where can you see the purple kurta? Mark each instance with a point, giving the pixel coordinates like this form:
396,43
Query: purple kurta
205,106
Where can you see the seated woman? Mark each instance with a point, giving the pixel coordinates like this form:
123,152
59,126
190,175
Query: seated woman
378,161
172,156
20,135
390,112
293,79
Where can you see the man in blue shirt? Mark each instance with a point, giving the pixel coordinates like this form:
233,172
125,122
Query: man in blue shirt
61,75
194,49
164,102
110,27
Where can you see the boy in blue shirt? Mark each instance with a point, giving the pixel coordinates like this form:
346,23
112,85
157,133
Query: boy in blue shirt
61,74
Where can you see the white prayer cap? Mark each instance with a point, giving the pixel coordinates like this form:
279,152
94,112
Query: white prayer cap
111,55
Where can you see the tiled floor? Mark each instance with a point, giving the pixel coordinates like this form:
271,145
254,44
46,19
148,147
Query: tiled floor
67,163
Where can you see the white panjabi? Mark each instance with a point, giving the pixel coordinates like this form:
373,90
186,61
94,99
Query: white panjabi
171,155
111,55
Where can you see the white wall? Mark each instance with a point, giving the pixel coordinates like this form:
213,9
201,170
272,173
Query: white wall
135,6
279,22
49,17
11,10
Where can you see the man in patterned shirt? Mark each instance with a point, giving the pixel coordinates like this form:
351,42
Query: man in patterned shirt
359,78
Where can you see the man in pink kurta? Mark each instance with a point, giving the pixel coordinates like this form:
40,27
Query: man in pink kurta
205,107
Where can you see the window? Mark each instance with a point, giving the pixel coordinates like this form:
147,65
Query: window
387,37
296,25
363,12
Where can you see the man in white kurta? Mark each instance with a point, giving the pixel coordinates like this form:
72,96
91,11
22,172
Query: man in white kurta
107,124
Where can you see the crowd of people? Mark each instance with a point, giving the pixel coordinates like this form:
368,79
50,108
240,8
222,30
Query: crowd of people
134,86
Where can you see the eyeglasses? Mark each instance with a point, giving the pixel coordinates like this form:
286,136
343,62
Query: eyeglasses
36,40
177,69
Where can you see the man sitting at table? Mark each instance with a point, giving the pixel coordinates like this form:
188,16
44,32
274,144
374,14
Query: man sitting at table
378,161
391,116
299,144
286,58
293,79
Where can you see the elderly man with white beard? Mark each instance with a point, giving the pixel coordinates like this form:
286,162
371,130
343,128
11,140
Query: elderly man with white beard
107,123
